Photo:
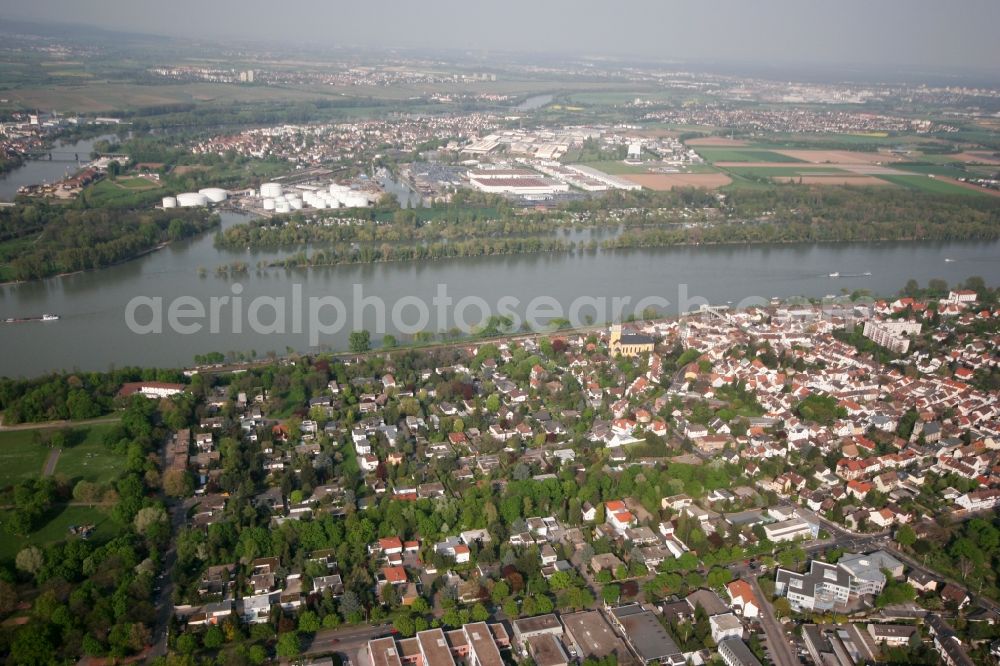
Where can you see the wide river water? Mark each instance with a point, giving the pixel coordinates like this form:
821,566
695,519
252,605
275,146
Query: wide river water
93,334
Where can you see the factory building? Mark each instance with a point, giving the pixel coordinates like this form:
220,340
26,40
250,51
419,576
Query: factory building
523,182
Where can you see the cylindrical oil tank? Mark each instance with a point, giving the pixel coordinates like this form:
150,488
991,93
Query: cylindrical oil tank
215,194
270,190
170,202
189,199
268,204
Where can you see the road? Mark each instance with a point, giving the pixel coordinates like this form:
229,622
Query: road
162,600
50,462
348,641
779,649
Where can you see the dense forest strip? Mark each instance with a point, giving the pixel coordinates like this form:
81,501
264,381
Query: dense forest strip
40,240
345,254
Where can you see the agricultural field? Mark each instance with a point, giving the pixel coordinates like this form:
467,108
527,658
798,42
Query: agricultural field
716,141
770,171
735,154
933,185
846,179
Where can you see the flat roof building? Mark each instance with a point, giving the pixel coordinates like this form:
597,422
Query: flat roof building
736,653
592,636
434,648
646,636
539,625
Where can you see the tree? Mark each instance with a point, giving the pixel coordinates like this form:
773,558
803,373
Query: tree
479,613
782,607
213,638
87,492
149,518
404,624
501,590
257,655
360,341
186,643
31,645
308,622
610,593
906,536
178,483
289,645
30,560
389,341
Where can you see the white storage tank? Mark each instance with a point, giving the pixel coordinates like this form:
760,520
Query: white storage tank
189,199
170,202
281,207
356,200
270,190
296,204
215,194
268,204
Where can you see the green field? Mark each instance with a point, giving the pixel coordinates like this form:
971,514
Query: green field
927,184
105,193
924,168
56,528
136,183
90,459
21,456
743,155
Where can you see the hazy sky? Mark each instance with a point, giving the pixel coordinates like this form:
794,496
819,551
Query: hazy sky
945,33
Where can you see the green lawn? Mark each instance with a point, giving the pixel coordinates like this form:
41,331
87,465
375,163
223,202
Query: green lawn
106,194
21,457
90,459
743,155
56,528
927,184
136,183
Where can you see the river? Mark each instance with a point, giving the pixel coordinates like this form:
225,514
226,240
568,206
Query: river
39,171
92,333
534,102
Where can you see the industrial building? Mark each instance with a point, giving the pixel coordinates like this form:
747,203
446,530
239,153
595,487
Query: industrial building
522,182
612,181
